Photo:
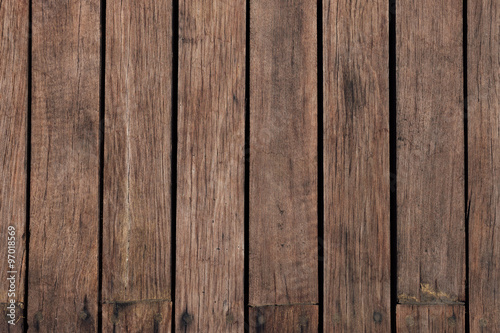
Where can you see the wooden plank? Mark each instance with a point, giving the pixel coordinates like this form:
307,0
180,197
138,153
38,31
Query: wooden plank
151,316
484,164
430,152
13,115
137,162
210,185
356,166
430,318
64,220
283,159
288,318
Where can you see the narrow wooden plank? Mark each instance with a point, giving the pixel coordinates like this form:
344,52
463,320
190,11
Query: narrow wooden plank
153,316
430,152
283,159
288,318
210,185
64,220
430,318
484,164
13,114
137,161
356,166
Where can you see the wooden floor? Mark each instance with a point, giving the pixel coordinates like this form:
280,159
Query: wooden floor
258,165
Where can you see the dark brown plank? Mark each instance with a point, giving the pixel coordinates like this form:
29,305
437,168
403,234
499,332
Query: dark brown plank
143,316
430,318
356,166
430,152
13,114
288,318
210,184
484,161
137,162
283,159
64,221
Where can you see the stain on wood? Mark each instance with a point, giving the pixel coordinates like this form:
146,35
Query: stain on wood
288,318
430,318
137,316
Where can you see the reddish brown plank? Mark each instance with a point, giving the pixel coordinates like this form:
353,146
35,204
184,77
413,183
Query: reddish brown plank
484,164
283,159
144,316
430,152
356,166
13,114
288,318
210,184
64,220
430,318
137,162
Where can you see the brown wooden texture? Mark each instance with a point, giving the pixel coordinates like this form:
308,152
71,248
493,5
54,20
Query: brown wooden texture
143,316
484,164
430,152
356,166
64,220
13,114
283,159
210,183
137,161
430,318
288,318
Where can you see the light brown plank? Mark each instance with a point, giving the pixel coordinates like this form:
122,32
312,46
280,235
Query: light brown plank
288,318
430,318
149,316
137,162
356,166
484,164
430,152
210,184
283,158
64,220
13,114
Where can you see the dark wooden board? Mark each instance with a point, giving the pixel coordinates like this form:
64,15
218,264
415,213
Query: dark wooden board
210,183
356,166
484,164
288,318
64,219
430,318
283,152
143,316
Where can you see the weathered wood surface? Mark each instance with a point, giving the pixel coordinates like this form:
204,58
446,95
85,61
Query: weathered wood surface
288,318
13,116
356,166
137,164
64,219
143,316
283,153
430,152
484,164
430,318
210,183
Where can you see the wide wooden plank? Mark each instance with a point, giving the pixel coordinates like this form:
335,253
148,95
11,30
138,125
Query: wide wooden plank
13,114
430,152
483,85
210,183
137,161
283,152
430,318
144,316
356,166
288,318
64,220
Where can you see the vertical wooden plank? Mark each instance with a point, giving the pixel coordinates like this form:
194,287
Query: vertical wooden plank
484,164
287,318
356,166
430,152
430,318
63,267
13,110
210,184
137,165
283,159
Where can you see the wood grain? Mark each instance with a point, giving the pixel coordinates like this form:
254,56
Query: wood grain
430,318
13,115
143,316
484,164
210,183
288,318
283,158
137,162
430,152
64,220
356,166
